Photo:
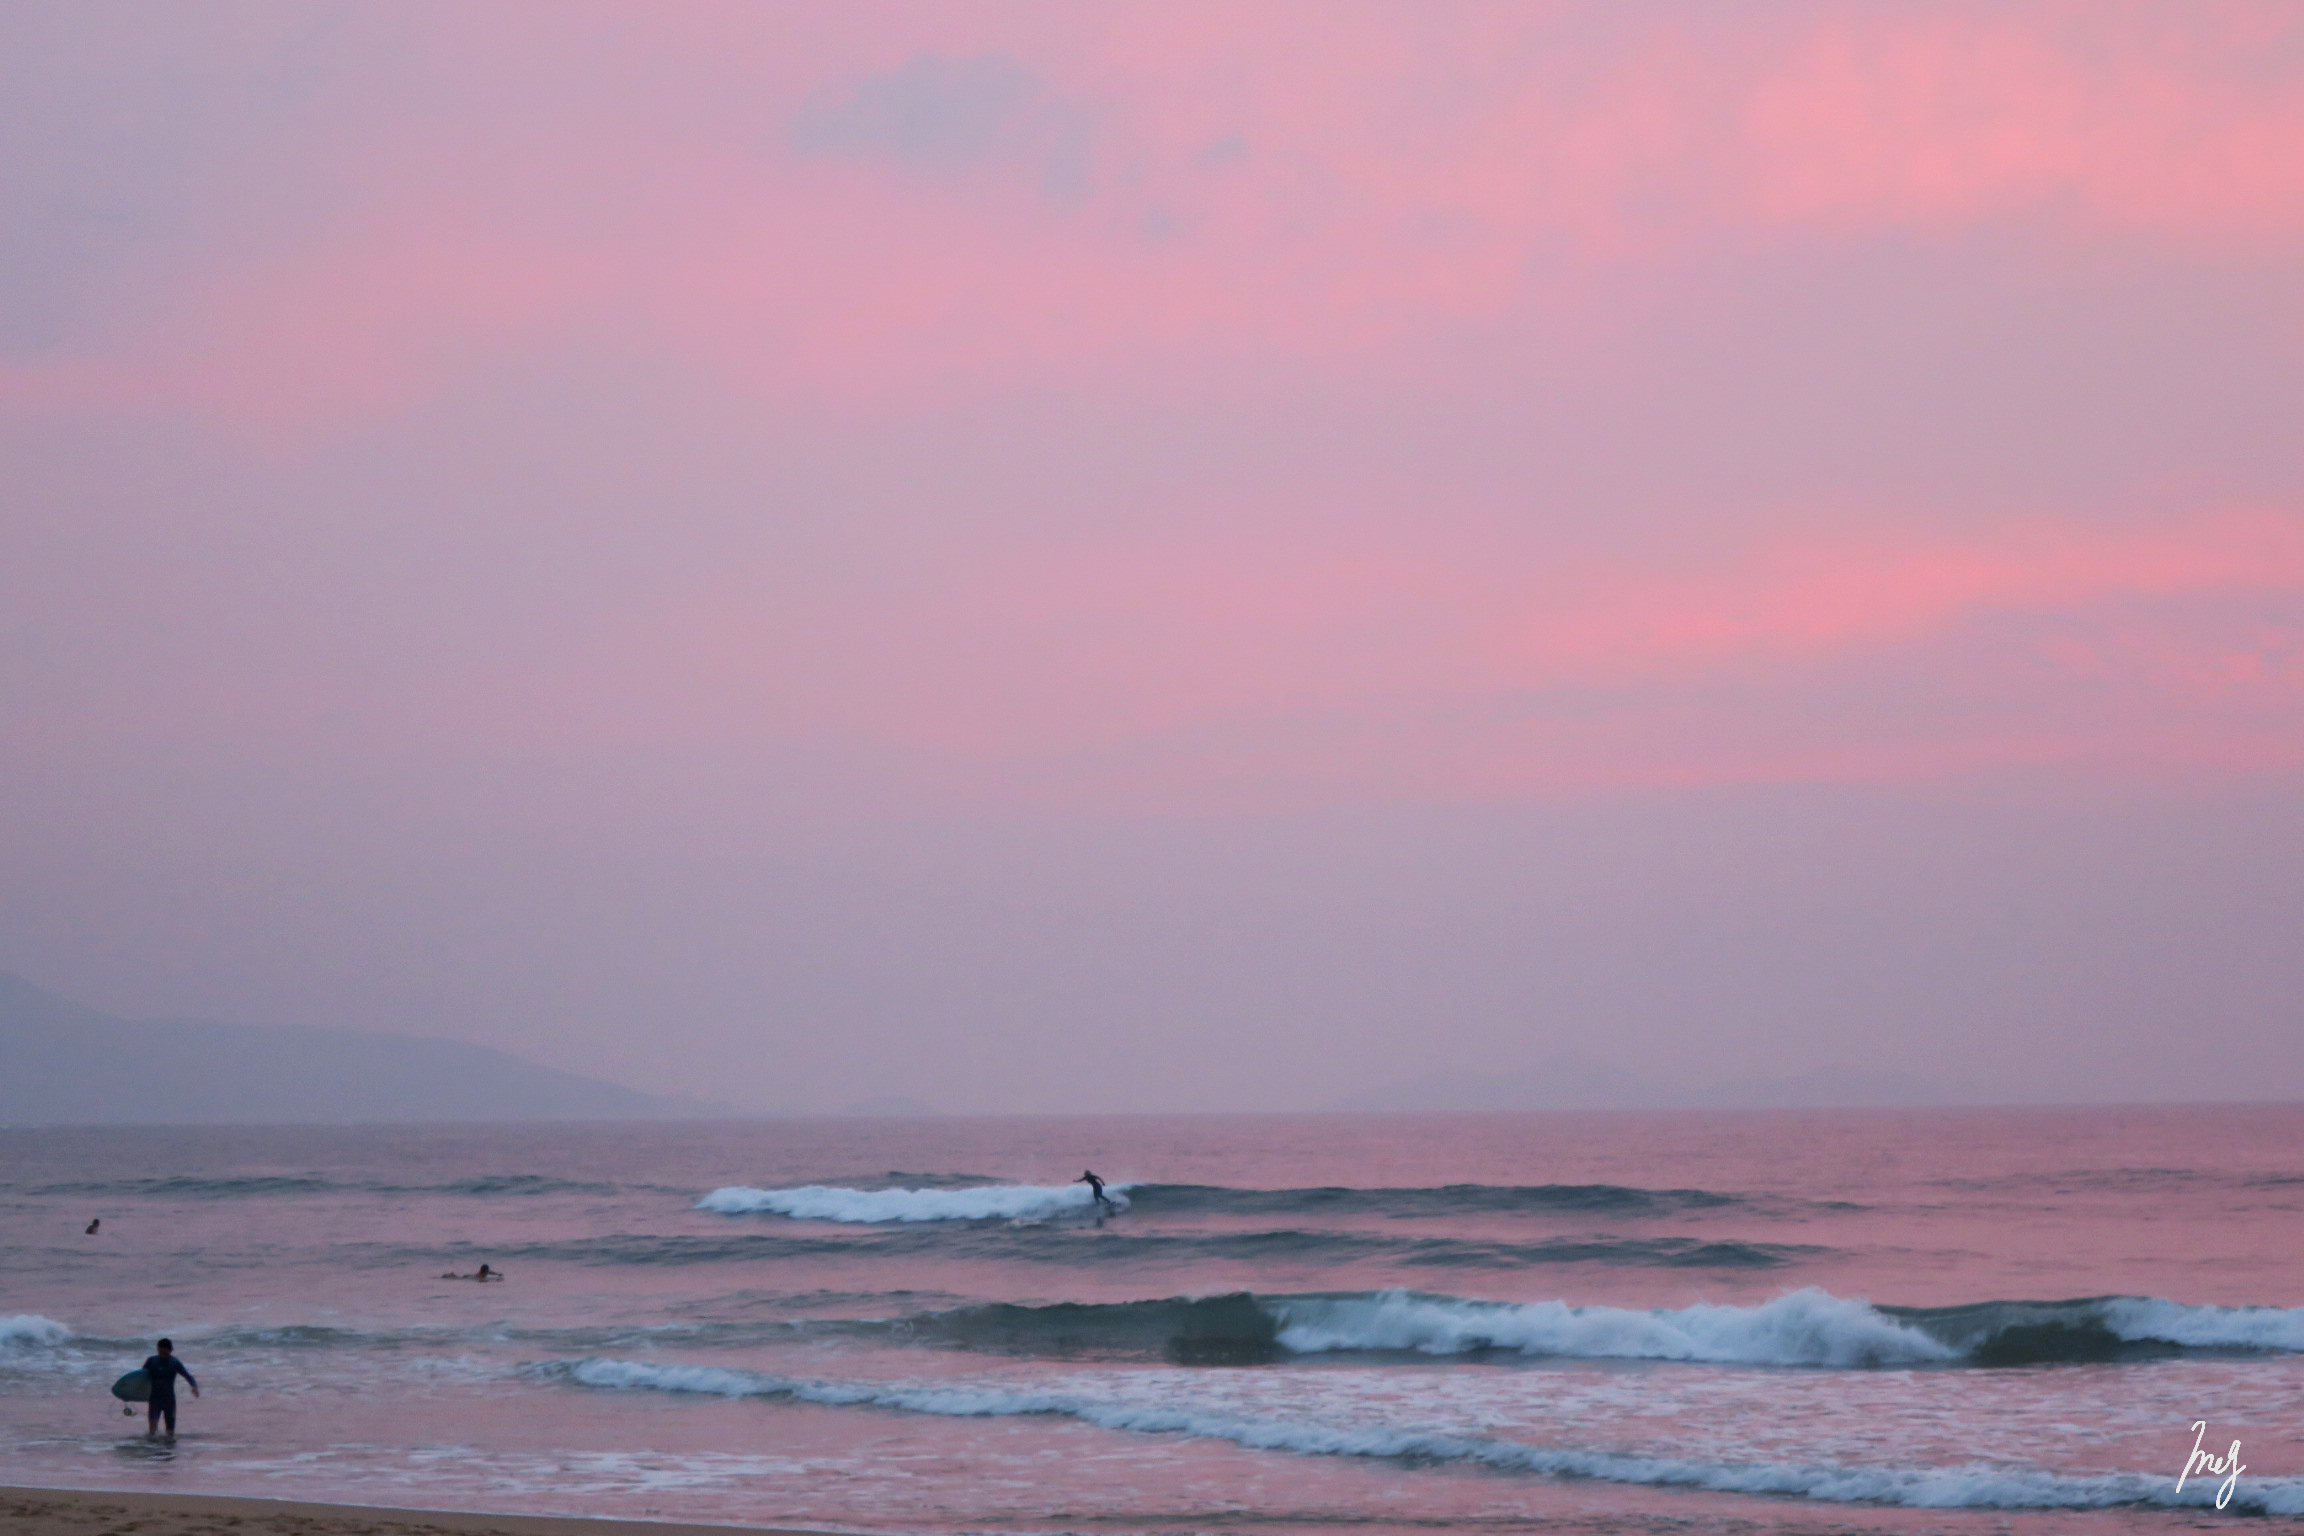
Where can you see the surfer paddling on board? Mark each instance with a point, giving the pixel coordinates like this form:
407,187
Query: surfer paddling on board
162,1370
1096,1192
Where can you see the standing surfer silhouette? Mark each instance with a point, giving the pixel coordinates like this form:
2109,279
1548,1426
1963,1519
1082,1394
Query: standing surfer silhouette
162,1369
1096,1192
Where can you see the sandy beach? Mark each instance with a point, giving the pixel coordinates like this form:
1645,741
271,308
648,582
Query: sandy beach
68,1512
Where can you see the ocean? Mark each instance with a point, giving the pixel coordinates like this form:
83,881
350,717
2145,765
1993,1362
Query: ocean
2004,1320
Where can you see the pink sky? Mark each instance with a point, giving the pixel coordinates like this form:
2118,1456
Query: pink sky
619,429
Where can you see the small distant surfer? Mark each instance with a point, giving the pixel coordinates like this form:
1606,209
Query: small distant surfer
483,1274
162,1370
92,1226
1096,1191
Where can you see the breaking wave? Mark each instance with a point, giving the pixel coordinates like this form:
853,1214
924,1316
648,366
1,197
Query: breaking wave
1808,1327
1803,1327
2103,1328
992,1202
1970,1486
28,1330
962,1199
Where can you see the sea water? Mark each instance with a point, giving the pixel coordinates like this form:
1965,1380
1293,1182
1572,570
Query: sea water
1959,1320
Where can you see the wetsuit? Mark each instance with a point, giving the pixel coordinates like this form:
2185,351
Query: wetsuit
1095,1191
163,1371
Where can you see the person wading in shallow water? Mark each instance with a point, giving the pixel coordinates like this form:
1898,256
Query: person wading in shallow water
163,1369
1096,1190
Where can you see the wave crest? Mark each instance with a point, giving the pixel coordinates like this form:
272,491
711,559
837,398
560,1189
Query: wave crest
29,1330
1806,1327
2102,1328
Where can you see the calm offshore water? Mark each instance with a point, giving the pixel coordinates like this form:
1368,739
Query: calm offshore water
2001,1320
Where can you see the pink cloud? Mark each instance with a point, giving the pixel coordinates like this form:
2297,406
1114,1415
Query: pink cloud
1238,668
1815,596
1300,184
2125,118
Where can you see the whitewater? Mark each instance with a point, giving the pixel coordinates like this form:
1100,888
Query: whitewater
2000,1321
1969,1485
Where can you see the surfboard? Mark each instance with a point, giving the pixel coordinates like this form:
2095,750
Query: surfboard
135,1387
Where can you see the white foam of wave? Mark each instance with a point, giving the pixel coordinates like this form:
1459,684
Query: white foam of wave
1805,1327
2206,1327
29,1330
1971,1486
820,1202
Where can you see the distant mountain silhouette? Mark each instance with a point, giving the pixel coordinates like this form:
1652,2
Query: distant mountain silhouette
1580,1082
62,1063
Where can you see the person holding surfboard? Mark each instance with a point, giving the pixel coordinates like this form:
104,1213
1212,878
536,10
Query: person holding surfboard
162,1370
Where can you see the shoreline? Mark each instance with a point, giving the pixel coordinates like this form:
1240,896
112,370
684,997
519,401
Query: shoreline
94,1512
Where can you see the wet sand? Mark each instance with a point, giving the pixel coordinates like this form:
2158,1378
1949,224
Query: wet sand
64,1512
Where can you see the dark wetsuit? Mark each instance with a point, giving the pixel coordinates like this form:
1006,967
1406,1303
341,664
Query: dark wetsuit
1096,1191
163,1371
